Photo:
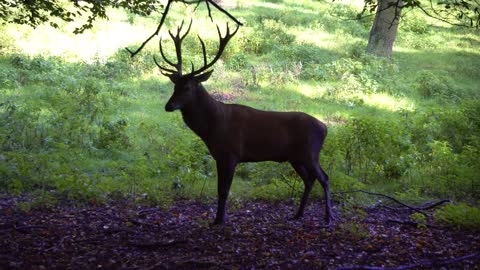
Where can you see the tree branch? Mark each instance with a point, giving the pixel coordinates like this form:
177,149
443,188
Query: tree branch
162,20
413,223
165,13
433,204
450,18
225,12
413,208
438,17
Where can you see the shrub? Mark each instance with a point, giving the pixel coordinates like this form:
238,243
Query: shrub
373,149
269,34
40,200
442,173
113,135
415,23
461,216
442,124
357,77
430,85
238,62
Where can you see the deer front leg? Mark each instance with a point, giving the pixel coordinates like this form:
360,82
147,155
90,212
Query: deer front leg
225,171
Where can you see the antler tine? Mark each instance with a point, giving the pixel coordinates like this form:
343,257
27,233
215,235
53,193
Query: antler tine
188,30
193,67
177,41
163,54
204,51
223,44
163,68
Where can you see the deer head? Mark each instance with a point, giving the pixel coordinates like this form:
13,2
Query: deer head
187,84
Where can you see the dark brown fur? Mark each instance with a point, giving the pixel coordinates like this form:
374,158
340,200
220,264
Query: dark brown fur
235,133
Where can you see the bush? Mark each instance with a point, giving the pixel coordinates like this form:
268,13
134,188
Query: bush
372,149
113,135
357,78
416,24
461,216
269,34
442,124
431,85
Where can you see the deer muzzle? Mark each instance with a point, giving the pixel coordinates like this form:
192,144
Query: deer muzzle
170,107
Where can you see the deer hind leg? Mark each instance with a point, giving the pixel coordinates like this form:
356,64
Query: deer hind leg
308,181
322,177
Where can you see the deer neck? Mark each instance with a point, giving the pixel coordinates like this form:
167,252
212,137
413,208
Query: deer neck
201,115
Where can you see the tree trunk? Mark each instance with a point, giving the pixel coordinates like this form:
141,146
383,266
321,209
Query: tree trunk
384,29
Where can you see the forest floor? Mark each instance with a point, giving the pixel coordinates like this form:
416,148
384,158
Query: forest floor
259,235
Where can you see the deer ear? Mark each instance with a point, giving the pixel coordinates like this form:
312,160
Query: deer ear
203,77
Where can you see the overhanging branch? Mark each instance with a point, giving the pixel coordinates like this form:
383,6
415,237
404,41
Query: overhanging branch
162,20
457,13
165,14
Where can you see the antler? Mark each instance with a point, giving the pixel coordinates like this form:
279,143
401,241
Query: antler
223,44
177,40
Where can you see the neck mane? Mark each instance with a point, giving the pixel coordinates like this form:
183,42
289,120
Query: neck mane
201,114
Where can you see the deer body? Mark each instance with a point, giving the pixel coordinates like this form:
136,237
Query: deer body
251,135
235,133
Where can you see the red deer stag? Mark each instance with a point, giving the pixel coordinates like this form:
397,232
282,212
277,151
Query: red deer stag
235,133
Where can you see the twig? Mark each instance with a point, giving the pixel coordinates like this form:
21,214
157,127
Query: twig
412,223
433,205
193,264
25,228
436,264
418,210
428,207
143,211
131,220
162,20
164,16
155,245
209,10
438,17
225,12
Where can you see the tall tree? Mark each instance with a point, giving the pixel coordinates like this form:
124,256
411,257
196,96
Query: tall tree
388,13
384,29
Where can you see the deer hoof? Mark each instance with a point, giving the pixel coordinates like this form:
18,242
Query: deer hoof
297,217
217,223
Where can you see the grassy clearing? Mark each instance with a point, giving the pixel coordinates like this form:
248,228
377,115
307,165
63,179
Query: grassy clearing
80,117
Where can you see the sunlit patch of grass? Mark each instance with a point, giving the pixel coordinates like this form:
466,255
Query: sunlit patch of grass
310,89
316,37
88,47
389,103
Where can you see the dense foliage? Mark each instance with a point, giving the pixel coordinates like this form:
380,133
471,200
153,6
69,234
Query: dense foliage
37,12
93,127
455,12
54,12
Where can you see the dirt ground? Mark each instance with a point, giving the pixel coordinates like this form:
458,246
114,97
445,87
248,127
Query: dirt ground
259,235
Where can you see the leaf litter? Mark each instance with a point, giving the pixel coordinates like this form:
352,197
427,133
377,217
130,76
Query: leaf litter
259,235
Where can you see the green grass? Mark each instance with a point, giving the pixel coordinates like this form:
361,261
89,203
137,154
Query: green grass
82,118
